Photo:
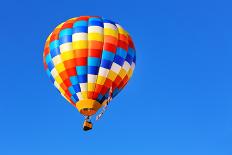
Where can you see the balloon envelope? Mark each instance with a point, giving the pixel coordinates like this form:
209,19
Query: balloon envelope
89,59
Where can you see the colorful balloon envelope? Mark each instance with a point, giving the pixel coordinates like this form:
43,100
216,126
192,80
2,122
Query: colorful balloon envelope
89,59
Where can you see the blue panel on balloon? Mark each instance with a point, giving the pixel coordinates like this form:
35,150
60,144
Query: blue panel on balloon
54,44
65,39
74,80
119,60
81,70
92,61
54,52
80,29
80,23
108,55
106,64
82,78
93,70
77,88
71,90
65,32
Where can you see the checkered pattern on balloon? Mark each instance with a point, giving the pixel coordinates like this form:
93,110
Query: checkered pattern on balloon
90,60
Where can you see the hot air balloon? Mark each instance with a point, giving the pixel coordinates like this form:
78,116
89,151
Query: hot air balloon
89,59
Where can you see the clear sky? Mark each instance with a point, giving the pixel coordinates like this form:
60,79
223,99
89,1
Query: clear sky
178,102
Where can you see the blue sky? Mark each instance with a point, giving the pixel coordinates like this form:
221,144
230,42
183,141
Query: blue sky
177,103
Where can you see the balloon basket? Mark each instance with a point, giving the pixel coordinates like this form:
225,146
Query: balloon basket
87,125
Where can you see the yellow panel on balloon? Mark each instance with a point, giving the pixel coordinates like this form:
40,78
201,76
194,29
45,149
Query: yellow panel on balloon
95,37
112,75
82,44
91,86
122,73
101,80
84,94
58,80
111,32
67,55
60,67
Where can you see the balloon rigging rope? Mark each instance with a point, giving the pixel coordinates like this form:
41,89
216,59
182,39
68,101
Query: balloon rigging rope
105,107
